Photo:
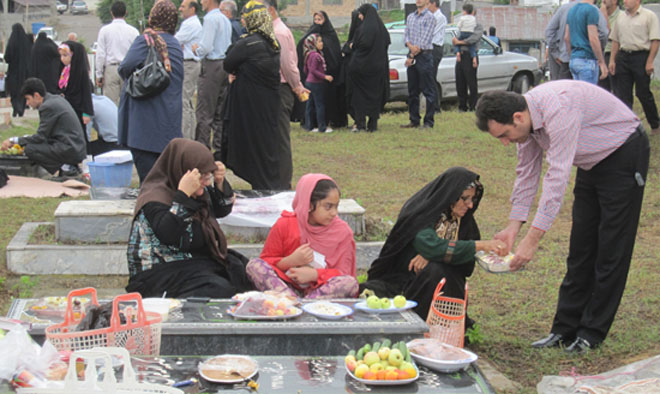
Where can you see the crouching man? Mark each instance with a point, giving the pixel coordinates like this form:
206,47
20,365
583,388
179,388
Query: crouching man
59,143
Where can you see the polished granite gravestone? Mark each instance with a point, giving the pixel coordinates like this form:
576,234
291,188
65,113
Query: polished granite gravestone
206,328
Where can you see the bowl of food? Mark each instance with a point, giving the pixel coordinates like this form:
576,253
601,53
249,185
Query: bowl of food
440,356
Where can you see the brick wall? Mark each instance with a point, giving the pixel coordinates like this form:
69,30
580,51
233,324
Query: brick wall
336,9
516,23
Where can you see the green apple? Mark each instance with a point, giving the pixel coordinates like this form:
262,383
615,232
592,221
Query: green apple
373,302
399,301
385,303
371,358
384,353
395,358
405,365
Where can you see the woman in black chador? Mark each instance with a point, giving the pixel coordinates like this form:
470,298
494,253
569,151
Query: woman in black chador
46,62
17,56
434,237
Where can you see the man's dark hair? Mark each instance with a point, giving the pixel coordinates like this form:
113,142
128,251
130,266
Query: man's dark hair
271,3
196,6
118,9
32,86
436,2
468,8
491,31
498,105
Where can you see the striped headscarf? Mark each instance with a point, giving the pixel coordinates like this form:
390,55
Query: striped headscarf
257,19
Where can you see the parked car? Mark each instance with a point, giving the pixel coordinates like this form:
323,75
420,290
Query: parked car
50,32
79,7
498,69
62,7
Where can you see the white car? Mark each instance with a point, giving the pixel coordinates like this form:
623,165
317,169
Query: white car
61,7
50,32
498,69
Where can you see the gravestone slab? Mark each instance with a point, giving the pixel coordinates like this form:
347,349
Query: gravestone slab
105,221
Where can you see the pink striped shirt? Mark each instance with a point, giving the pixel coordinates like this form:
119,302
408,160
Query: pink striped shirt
574,123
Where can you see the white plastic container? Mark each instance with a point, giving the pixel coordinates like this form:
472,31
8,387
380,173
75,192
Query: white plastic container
157,305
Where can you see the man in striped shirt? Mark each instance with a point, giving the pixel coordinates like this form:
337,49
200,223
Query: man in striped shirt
575,123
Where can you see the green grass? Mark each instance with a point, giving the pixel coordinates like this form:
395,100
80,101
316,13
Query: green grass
381,170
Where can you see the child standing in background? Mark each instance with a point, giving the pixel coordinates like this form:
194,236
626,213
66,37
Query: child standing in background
315,82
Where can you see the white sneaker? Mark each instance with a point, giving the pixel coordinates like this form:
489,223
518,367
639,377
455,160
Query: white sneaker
315,130
328,130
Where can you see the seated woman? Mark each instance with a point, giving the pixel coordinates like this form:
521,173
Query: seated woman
309,252
434,237
176,244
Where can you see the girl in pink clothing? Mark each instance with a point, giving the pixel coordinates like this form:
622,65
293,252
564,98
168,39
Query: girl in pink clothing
315,82
309,252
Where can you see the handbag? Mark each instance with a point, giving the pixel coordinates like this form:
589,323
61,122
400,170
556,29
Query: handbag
151,78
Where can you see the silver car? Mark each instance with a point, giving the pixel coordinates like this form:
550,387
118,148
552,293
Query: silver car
79,7
498,69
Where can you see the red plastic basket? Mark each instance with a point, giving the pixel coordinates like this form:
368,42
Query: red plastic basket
446,318
139,335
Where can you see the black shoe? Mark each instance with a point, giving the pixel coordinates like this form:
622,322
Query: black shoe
409,126
580,346
72,173
552,340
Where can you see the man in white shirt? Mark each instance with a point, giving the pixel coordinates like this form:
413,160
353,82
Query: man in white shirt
190,32
114,41
438,38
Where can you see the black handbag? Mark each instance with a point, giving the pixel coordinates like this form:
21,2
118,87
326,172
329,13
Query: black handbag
151,78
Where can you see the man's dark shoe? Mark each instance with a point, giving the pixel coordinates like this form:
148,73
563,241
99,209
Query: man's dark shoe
580,346
409,126
552,340
71,173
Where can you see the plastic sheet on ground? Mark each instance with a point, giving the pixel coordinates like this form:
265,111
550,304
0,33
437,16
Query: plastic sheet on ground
639,377
258,211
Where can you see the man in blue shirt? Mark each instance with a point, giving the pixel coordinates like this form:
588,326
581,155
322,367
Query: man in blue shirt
421,77
104,122
213,82
583,44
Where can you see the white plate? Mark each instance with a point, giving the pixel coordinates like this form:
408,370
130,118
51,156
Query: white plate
362,305
384,382
261,317
230,359
493,263
337,310
444,365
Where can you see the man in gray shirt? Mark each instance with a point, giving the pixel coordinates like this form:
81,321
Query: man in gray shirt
59,143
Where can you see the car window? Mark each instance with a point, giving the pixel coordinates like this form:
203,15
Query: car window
397,46
485,48
448,49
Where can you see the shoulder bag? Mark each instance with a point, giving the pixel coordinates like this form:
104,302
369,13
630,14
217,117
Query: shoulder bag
151,78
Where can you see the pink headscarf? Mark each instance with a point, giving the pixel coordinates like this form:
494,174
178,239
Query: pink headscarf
334,241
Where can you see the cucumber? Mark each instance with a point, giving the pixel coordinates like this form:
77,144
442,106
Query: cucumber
351,353
386,343
394,346
404,351
367,348
360,354
375,347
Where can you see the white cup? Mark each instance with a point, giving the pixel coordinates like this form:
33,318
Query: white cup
157,305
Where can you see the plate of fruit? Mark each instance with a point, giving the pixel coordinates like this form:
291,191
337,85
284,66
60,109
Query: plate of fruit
264,308
373,304
327,310
382,364
15,150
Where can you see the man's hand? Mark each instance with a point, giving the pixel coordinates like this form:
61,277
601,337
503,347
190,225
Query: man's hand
649,67
558,60
456,41
300,90
496,246
508,235
526,249
409,62
190,182
219,174
6,145
612,67
418,263
603,70
194,48
231,77
86,119
99,82
303,274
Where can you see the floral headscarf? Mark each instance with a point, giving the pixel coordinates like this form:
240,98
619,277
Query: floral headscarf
163,18
258,20
309,46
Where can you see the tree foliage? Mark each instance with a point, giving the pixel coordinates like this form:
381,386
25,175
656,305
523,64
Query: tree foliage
133,14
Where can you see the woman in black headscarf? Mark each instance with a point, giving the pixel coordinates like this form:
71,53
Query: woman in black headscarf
368,69
434,237
17,56
46,62
250,133
74,81
176,244
347,53
335,102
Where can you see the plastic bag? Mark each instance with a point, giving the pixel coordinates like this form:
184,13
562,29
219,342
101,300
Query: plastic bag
260,304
